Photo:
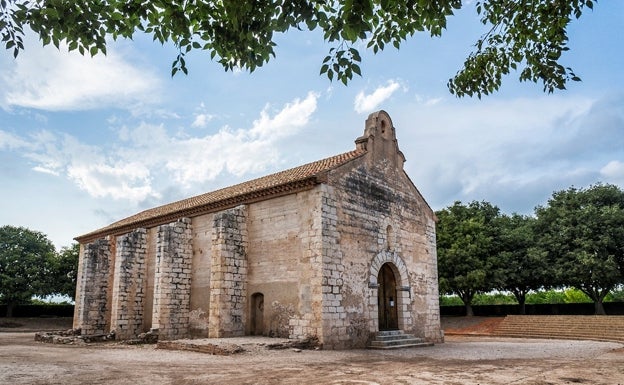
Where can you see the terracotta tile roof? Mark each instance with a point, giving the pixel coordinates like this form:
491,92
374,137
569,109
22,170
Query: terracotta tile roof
281,183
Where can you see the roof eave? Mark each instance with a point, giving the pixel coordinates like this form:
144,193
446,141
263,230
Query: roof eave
292,187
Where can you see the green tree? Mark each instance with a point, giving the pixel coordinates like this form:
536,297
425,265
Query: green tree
25,265
466,243
583,232
64,271
527,36
522,267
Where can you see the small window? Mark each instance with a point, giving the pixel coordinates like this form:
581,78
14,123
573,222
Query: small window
389,238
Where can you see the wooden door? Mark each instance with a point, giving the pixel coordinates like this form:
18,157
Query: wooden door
387,301
257,314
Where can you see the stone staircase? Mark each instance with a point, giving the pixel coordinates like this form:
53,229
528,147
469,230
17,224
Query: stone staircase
396,339
577,327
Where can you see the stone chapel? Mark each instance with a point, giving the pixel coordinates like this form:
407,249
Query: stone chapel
336,249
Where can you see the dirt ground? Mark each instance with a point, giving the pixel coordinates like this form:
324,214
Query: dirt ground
465,360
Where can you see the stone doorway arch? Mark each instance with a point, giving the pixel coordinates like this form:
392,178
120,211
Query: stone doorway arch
389,266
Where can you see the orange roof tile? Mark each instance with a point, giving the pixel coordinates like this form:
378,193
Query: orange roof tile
281,183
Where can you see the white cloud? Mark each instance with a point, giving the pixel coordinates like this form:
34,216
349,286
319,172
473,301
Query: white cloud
290,118
11,142
201,120
238,152
613,172
49,79
148,159
513,152
367,103
428,101
45,170
129,181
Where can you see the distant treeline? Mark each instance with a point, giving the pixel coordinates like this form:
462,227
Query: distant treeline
575,241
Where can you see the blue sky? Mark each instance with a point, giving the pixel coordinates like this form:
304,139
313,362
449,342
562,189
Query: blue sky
87,141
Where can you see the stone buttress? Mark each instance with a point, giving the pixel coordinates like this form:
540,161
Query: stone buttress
94,288
129,285
173,280
228,275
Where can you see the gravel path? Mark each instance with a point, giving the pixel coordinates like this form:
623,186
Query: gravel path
461,360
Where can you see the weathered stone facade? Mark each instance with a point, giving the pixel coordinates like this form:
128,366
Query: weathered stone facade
336,249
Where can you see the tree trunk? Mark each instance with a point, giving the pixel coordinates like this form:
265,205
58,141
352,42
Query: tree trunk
521,298
597,295
466,298
522,304
599,308
9,309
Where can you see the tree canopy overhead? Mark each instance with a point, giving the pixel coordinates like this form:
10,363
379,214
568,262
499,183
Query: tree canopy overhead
527,36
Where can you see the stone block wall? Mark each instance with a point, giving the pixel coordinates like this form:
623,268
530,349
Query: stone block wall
94,288
278,263
173,280
200,283
129,285
150,275
432,325
228,275
307,320
335,323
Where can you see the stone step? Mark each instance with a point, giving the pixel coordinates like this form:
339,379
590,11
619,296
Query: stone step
415,345
393,337
559,332
396,339
606,328
564,329
564,337
407,341
390,333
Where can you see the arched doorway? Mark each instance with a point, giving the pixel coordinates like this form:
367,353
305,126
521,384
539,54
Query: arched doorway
387,299
257,314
